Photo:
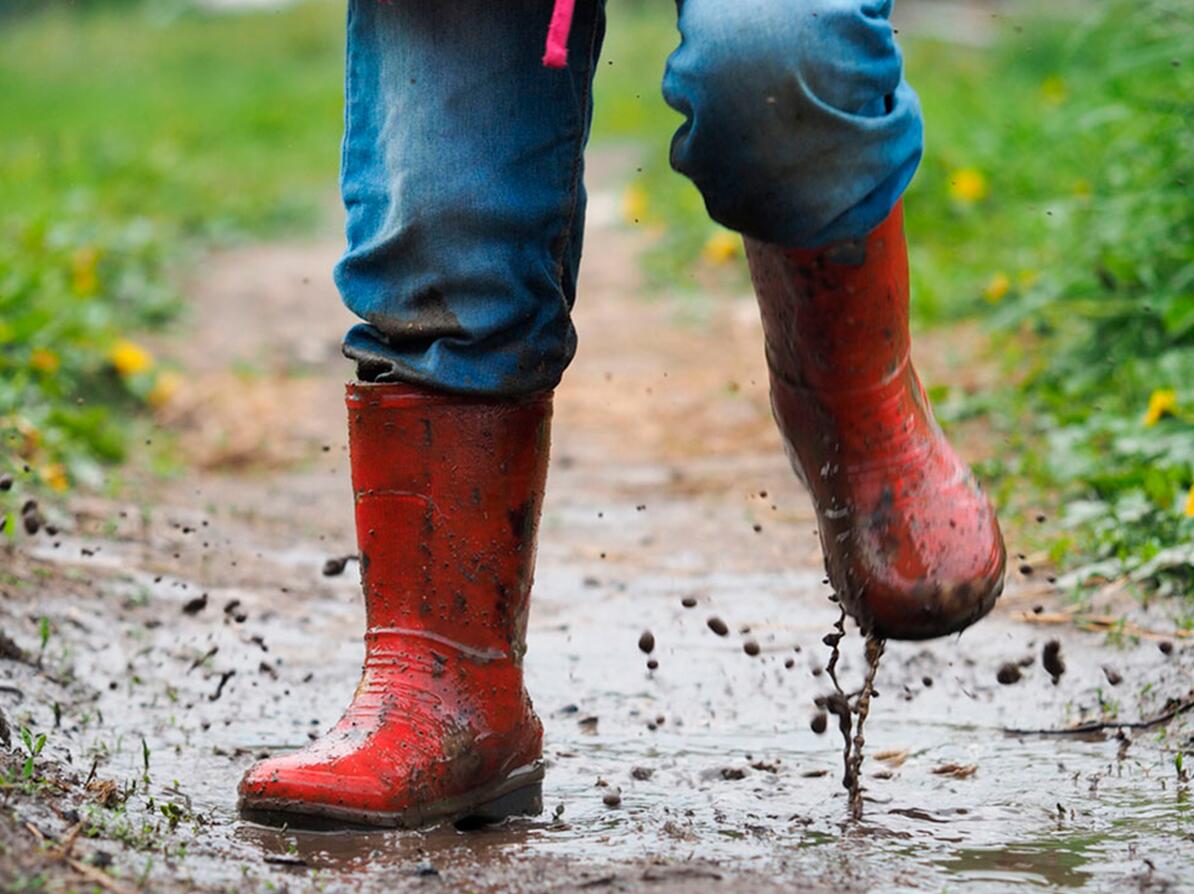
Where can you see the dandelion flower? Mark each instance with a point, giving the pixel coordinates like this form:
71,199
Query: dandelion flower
44,360
1161,403
634,203
968,185
54,475
722,247
997,287
130,358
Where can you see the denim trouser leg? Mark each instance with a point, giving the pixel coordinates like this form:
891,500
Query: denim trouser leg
461,176
800,129
462,163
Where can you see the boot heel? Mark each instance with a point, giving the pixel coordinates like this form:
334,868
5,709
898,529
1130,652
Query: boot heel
525,801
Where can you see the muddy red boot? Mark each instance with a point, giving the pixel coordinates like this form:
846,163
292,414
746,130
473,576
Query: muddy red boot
911,543
448,491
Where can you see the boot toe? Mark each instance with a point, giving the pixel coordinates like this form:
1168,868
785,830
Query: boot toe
290,783
928,608
956,582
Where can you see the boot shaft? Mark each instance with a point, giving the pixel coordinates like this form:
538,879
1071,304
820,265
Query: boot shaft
835,319
447,492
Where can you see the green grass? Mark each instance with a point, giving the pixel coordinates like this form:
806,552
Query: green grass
129,137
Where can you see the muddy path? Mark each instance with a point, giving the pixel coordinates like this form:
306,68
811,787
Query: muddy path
191,629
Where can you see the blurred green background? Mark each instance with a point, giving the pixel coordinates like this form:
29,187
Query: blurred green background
1053,208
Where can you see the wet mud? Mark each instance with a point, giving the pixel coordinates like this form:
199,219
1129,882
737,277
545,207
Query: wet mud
197,629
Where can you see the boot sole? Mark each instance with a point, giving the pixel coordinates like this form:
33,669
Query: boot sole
520,793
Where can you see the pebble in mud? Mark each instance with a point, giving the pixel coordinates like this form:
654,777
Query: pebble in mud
646,642
1113,676
1009,674
5,482
612,798
718,626
1166,647
1052,661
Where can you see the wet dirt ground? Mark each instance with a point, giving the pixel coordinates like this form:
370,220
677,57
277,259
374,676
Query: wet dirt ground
191,630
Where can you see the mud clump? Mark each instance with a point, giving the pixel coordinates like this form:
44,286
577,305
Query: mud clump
718,626
335,566
194,606
689,602
646,642
1009,674
819,723
751,647
1052,661
9,650
31,517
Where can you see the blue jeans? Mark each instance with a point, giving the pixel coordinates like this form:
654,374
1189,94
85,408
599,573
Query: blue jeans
463,160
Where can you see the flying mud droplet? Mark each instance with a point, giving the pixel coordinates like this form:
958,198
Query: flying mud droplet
1052,661
717,625
646,642
1009,674
336,565
751,647
194,606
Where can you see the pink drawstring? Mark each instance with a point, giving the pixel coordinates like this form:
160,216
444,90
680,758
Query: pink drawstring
556,54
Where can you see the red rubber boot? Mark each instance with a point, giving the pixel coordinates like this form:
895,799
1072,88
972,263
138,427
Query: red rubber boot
911,543
448,491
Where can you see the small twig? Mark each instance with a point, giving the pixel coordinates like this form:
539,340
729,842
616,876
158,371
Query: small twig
1100,726
1104,624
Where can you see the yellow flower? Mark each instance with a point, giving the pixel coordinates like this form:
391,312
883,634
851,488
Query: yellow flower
1190,504
1027,278
634,203
55,476
165,387
1053,90
84,276
44,360
968,185
998,286
130,358
722,247
1161,403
